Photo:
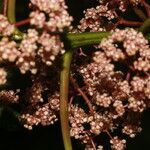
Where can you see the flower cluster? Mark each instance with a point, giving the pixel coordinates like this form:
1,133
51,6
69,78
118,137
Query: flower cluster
109,87
26,54
8,50
42,115
93,18
9,97
55,10
6,28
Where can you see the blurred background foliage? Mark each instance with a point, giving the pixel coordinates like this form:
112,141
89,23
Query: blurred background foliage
14,137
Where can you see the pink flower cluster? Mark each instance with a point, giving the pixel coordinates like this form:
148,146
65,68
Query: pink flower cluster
58,17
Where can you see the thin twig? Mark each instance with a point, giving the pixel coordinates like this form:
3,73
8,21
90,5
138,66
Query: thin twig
5,2
129,23
82,94
93,144
128,76
22,22
109,134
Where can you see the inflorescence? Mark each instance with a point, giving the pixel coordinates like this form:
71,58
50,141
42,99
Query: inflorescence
110,86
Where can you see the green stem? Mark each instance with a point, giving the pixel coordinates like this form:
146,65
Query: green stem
11,11
87,38
64,92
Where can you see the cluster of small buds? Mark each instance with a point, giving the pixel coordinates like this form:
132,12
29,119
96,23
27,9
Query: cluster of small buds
3,76
104,11
119,108
102,61
30,50
93,71
77,115
97,124
111,10
142,64
8,50
30,121
138,84
114,93
35,93
141,85
93,18
145,53
43,44
131,130
6,28
48,51
132,42
57,12
37,18
54,101
43,115
136,105
103,100
28,47
77,132
118,144
9,97
91,21
46,115
124,87
77,118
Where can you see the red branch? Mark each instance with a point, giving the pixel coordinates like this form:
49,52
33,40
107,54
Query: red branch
23,22
129,23
5,2
82,94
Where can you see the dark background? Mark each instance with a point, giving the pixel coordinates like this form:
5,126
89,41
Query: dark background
14,137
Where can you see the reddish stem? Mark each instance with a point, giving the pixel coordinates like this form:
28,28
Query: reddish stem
82,94
128,76
129,23
23,22
5,2
108,134
93,144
